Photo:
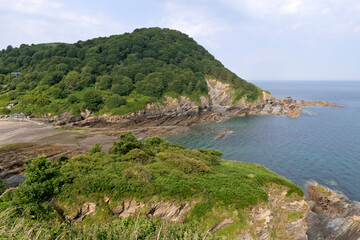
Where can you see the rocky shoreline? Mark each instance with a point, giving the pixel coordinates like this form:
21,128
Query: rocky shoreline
185,112
326,214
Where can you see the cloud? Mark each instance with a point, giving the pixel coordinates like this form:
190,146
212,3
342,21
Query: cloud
35,21
191,18
322,16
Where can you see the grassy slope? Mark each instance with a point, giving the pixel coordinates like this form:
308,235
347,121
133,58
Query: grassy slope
160,171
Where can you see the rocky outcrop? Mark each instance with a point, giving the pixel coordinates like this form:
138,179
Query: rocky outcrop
332,215
87,209
169,211
222,102
281,218
319,103
184,112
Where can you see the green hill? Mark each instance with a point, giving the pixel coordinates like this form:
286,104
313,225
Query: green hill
117,74
138,190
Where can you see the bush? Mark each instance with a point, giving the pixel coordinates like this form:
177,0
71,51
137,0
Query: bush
42,182
126,142
73,99
92,99
115,101
213,156
58,93
155,141
183,163
138,156
138,173
13,95
95,149
5,111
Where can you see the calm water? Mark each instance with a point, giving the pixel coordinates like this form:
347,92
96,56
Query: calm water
323,146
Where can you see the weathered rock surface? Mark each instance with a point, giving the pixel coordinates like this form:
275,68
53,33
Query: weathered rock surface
332,215
184,112
87,209
281,218
169,211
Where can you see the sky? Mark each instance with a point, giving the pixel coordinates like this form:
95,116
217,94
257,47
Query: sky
256,39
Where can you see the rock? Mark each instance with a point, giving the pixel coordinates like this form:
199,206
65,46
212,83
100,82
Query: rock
14,181
11,105
127,208
332,215
330,203
87,209
86,114
221,225
281,216
169,211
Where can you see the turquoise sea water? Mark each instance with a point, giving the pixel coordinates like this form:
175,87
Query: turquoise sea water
321,146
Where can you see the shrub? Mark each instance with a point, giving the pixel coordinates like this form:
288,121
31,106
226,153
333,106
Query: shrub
155,141
138,173
115,101
62,159
126,142
138,156
4,111
58,93
183,163
73,99
212,156
95,149
42,182
92,99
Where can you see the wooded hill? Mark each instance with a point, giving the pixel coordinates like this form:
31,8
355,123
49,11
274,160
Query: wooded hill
117,74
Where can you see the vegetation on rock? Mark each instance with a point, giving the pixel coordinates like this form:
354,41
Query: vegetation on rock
149,171
142,66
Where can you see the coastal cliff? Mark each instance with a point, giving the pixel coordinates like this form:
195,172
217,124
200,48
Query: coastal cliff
332,215
183,111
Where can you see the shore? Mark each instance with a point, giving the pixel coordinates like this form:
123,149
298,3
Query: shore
32,131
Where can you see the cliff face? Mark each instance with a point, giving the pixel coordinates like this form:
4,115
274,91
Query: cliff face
184,112
222,102
280,218
332,215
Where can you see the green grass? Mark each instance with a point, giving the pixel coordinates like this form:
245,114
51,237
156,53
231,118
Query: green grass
216,189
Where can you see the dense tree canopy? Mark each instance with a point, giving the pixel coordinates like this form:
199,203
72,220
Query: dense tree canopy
145,64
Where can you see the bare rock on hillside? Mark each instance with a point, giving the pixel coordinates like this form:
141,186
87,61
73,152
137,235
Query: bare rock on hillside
332,215
169,211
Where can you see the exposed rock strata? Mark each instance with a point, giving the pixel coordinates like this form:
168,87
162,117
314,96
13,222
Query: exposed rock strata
184,112
332,215
282,216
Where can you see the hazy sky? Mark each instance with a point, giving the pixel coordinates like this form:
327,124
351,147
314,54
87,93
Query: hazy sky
256,39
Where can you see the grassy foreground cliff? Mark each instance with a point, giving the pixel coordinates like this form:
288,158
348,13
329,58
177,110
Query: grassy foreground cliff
118,74
147,189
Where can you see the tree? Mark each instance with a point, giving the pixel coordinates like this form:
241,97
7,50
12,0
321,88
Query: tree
92,99
72,81
58,93
42,182
122,86
104,82
126,143
115,101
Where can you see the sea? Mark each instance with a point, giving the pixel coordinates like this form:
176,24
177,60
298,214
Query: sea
322,145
